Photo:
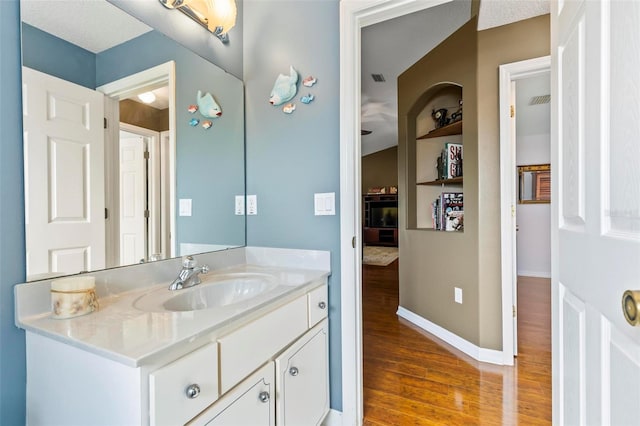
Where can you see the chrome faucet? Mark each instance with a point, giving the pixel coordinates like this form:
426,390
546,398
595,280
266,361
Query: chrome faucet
189,275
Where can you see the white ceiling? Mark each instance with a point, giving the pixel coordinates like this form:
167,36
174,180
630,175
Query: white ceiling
94,25
390,47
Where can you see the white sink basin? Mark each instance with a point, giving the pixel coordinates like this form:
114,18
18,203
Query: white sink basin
217,291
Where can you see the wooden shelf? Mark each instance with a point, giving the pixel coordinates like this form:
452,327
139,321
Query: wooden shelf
448,130
452,181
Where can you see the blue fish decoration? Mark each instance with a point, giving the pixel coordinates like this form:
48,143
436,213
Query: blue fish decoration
307,99
194,122
209,108
285,88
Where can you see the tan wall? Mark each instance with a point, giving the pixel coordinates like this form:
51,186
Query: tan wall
501,45
380,169
433,263
140,115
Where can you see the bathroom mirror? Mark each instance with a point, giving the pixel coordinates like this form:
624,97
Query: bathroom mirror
534,184
94,205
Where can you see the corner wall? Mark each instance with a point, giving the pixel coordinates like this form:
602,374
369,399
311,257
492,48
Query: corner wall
434,262
12,258
380,169
496,46
292,156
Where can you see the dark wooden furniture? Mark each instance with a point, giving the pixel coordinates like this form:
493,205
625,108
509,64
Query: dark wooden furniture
380,221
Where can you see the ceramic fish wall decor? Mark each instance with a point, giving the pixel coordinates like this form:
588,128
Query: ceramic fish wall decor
307,99
285,88
289,108
209,108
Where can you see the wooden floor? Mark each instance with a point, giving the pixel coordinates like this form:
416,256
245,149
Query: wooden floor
412,378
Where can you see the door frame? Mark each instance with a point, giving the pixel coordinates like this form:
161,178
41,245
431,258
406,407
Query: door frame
509,73
355,15
160,75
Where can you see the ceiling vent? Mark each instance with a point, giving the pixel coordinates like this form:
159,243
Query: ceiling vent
540,100
378,78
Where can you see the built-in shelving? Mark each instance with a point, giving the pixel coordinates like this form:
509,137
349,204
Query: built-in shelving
454,128
452,181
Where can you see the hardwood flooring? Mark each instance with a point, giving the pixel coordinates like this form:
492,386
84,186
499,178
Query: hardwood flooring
413,378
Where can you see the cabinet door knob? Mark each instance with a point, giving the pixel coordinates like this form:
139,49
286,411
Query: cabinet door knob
631,306
294,371
263,396
193,391
322,305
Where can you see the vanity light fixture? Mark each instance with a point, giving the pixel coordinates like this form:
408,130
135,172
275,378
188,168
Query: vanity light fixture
218,16
147,97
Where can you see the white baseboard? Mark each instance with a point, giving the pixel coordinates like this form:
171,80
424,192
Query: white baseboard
535,274
491,356
333,418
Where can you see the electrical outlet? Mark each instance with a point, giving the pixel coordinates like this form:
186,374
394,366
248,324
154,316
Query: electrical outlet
458,295
252,205
239,205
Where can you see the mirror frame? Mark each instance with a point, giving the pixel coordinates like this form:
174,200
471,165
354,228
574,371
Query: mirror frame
539,170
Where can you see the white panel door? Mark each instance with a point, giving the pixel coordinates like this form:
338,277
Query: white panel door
64,175
133,196
596,237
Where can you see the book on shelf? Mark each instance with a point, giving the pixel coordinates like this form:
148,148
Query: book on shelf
447,212
453,160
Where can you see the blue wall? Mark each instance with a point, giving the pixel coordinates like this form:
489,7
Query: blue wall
12,263
290,157
43,52
210,163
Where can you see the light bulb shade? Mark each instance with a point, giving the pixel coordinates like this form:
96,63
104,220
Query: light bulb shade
147,97
222,14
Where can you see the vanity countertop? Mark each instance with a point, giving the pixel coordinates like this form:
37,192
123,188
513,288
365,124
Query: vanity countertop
124,333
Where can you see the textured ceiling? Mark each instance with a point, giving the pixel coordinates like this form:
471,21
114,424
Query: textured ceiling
94,25
494,13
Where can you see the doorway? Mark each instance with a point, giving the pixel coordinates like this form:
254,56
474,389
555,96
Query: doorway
530,76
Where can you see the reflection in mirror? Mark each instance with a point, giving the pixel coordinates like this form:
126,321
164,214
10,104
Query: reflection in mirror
99,197
534,184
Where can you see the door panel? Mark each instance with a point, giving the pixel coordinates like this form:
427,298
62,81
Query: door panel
133,196
596,242
64,175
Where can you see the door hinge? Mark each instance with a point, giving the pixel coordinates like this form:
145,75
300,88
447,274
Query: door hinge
513,211
514,310
353,242
146,214
106,213
146,155
513,111
105,122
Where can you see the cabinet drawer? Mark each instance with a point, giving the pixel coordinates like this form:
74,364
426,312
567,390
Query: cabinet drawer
318,305
247,348
168,386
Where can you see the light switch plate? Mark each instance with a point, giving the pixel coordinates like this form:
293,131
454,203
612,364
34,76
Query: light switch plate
252,205
457,295
239,205
325,204
185,207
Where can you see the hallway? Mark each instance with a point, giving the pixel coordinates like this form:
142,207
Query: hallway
411,378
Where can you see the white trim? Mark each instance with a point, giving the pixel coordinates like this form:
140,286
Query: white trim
333,418
355,15
535,274
160,75
491,356
509,73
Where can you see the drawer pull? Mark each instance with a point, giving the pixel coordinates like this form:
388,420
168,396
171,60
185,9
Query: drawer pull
193,391
263,396
322,305
294,371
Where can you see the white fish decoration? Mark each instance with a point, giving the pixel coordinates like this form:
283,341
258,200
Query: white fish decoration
309,81
209,108
285,88
289,108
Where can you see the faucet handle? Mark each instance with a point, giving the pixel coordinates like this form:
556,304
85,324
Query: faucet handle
204,269
189,262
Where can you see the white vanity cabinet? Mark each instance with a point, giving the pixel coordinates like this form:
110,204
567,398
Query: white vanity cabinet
302,379
251,403
267,366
